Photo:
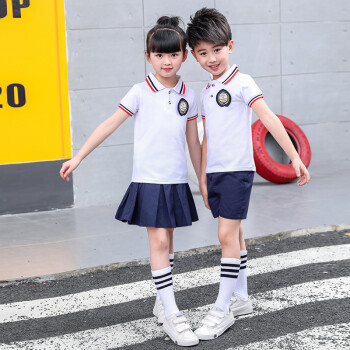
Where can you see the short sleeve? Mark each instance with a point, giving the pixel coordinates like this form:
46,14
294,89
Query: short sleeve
131,101
202,105
250,90
193,108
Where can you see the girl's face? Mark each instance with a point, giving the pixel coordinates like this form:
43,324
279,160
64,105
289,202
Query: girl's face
166,65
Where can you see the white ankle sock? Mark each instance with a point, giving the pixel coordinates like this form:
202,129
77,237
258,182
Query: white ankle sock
171,261
164,284
228,278
241,288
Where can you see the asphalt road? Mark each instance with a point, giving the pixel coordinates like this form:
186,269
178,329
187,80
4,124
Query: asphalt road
300,288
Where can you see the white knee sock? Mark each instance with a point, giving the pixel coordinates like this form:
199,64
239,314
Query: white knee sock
241,288
228,278
171,261
164,284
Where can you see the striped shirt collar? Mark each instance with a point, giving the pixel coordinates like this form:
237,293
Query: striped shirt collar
228,76
155,85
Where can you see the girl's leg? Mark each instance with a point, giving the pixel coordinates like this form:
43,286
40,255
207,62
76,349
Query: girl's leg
174,323
171,241
159,241
230,261
171,247
171,261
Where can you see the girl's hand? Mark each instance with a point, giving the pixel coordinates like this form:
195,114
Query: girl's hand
301,172
204,193
68,167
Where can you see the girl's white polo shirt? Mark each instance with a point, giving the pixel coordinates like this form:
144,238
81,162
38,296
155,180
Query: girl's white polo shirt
226,107
161,115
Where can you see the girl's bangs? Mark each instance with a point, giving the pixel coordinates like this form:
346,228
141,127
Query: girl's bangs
165,41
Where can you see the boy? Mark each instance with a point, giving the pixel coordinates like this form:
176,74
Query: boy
227,169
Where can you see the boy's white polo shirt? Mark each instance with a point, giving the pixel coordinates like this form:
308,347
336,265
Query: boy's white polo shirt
161,116
226,107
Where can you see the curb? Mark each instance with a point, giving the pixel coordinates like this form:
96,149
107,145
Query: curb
202,250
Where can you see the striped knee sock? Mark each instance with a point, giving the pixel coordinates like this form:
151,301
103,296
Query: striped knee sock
171,261
228,278
241,288
164,283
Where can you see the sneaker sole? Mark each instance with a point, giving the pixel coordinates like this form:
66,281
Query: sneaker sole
180,343
217,334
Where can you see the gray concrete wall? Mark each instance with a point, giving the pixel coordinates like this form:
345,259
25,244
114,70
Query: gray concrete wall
296,50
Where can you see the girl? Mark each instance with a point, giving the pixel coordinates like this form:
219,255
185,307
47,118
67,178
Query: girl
159,197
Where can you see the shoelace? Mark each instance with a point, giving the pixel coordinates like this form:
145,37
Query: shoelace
181,324
213,318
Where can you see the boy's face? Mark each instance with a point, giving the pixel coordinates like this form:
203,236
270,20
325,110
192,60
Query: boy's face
166,65
213,58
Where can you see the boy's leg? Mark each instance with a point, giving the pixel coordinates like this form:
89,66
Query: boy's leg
219,318
241,289
230,262
241,238
240,302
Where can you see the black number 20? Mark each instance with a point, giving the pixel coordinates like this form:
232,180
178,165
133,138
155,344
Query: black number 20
16,95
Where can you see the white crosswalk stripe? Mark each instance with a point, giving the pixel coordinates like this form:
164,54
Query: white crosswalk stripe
97,298
319,338
139,331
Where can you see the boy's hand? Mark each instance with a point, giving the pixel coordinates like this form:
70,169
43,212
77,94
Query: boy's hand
301,172
204,193
68,167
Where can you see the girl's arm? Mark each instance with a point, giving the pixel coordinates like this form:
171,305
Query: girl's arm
105,129
194,146
203,179
275,127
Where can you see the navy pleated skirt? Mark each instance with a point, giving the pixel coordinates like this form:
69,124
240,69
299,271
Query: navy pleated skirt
157,205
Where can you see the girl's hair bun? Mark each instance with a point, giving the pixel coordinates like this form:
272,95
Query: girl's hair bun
168,21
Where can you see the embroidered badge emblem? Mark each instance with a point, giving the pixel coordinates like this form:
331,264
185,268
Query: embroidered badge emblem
182,107
223,98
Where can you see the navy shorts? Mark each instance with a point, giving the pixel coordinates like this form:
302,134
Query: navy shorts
229,193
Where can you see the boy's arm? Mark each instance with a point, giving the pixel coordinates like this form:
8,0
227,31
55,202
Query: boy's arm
105,129
194,146
203,178
275,127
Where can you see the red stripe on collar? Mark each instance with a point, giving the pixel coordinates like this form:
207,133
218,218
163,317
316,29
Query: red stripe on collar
236,71
149,84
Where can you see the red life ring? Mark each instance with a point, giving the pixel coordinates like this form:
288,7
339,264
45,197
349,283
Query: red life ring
266,166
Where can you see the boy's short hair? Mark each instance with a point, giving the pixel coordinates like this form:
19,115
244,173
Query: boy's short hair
208,25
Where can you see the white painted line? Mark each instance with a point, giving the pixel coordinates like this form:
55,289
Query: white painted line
143,330
318,338
97,298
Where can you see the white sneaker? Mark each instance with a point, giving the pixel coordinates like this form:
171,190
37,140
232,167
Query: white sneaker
180,331
158,310
240,307
214,324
